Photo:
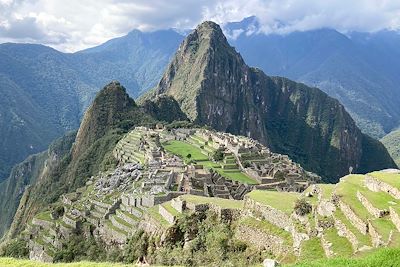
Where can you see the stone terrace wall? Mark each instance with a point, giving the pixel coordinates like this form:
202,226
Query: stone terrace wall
37,253
353,218
375,185
376,238
261,239
166,214
394,216
268,213
377,213
150,225
343,231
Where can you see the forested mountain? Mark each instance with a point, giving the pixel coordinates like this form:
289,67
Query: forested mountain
45,92
361,70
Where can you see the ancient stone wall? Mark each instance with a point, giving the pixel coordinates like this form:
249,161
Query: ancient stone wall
178,204
353,218
261,239
166,214
345,232
376,185
268,213
37,253
394,216
377,213
376,238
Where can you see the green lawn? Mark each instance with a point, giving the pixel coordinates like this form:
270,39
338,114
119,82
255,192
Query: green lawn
347,190
379,258
182,149
222,202
340,245
283,201
8,262
327,190
312,249
45,216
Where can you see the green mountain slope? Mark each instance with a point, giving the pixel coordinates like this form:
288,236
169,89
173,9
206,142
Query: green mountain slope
392,143
44,92
359,69
112,113
214,86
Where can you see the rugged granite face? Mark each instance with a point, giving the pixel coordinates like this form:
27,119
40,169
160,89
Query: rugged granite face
215,87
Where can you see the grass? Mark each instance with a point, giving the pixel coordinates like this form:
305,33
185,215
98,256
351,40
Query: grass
153,212
327,190
382,257
45,216
283,201
347,190
362,239
170,209
340,245
392,179
312,249
9,262
221,202
182,149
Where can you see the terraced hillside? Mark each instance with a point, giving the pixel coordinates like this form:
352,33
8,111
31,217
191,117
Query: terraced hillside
170,183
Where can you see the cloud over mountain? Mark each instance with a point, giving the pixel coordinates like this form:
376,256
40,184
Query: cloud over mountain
72,25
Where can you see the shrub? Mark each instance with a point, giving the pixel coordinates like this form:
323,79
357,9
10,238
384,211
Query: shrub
302,207
17,248
218,155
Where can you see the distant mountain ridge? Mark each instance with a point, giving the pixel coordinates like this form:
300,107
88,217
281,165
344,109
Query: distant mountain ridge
215,87
359,69
45,92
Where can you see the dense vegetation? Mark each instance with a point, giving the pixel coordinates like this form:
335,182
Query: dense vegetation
392,143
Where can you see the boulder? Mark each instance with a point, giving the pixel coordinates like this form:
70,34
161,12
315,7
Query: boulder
270,263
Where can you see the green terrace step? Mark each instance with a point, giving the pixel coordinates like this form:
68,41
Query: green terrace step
170,209
341,247
153,212
110,226
121,223
312,249
128,217
364,240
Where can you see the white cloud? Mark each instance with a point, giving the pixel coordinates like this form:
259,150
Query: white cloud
73,25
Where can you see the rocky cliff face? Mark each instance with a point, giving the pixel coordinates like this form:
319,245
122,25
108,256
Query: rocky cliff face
25,174
214,86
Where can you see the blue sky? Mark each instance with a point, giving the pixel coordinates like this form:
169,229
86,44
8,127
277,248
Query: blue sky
76,24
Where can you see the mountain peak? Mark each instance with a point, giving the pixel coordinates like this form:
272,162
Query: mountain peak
214,87
111,105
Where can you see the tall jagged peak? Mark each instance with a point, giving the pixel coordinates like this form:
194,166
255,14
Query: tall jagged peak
213,86
111,105
204,54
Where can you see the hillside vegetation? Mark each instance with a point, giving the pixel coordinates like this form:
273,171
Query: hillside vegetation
392,143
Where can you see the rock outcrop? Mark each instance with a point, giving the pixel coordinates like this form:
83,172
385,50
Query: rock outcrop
214,87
